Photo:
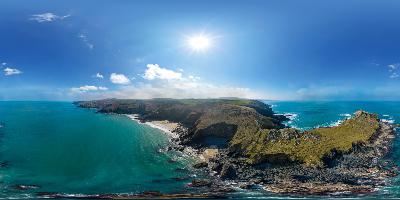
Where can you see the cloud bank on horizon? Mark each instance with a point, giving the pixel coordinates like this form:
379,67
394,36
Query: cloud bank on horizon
161,82
66,51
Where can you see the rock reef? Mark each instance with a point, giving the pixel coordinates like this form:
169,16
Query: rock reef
245,141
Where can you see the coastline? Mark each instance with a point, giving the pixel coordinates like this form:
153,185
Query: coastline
164,125
336,173
170,130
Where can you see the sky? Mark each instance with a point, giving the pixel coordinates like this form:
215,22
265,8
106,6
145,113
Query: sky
278,50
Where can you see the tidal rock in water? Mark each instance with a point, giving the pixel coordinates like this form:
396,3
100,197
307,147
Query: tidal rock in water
25,187
200,183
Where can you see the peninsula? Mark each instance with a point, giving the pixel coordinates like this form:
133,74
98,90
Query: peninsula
245,141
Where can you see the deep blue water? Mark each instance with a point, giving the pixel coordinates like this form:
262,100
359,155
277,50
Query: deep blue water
62,148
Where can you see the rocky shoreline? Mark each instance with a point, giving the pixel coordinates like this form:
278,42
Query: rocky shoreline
357,172
359,169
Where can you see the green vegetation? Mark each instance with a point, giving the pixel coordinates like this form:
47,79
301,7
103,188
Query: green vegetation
309,147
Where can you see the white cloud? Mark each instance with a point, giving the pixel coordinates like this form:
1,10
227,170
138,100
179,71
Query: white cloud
394,70
47,17
98,75
119,79
88,88
393,67
168,90
164,85
10,71
194,78
85,40
4,63
394,75
154,71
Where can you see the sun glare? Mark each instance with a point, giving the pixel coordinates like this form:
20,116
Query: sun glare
199,43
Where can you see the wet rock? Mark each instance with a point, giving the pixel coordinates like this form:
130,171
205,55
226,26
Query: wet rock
222,189
200,183
4,164
200,165
152,193
228,172
181,170
247,186
172,161
180,178
25,187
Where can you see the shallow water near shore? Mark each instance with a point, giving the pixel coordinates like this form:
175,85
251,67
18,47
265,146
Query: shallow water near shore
61,148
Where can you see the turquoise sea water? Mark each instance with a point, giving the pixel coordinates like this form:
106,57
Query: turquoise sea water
65,149
62,148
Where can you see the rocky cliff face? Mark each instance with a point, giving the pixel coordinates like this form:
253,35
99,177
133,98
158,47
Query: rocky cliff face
210,122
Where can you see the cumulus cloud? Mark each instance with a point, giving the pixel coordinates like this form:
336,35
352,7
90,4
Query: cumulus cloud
154,71
98,75
47,17
159,83
119,79
10,71
88,88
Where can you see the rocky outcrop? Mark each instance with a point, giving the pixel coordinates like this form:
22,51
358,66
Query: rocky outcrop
360,168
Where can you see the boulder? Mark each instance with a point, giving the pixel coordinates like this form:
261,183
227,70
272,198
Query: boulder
228,172
200,183
200,165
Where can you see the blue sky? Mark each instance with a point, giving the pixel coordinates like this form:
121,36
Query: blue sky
288,50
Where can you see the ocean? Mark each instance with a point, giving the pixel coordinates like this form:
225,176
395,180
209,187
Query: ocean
58,147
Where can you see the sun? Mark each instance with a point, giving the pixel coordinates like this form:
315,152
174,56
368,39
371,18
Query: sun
199,42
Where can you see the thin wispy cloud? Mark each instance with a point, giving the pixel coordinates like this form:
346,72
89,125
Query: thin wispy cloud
11,71
139,60
85,40
394,70
88,88
47,17
394,75
119,79
98,75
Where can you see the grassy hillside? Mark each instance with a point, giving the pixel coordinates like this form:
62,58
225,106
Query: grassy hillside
311,146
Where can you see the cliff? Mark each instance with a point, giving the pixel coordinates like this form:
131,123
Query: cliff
210,122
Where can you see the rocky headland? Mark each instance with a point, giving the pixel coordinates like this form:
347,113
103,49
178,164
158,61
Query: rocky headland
244,143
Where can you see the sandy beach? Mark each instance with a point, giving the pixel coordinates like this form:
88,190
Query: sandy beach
164,125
